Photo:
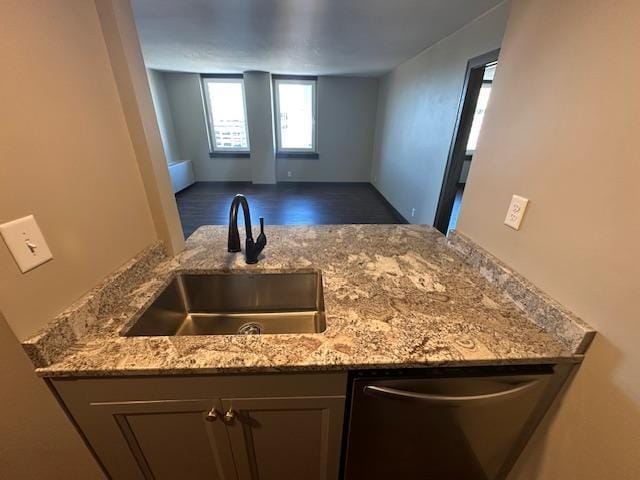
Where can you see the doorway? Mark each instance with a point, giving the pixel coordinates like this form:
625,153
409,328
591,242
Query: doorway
473,104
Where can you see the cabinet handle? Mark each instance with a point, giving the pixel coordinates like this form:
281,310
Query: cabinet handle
229,415
212,415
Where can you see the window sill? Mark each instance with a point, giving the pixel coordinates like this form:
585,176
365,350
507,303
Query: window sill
229,154
312,155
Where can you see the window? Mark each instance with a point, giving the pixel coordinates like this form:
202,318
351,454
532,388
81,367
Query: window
481,107
226,115
295,112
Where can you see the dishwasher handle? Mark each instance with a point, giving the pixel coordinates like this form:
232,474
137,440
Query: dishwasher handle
447,400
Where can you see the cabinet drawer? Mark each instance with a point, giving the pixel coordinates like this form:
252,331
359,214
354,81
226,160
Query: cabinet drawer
205,386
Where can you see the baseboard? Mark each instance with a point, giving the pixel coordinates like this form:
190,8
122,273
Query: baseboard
322,183
245,182
396,213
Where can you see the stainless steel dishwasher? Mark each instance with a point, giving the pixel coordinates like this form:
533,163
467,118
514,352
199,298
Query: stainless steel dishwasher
444,424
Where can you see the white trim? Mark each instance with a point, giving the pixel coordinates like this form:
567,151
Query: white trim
314,112
209,116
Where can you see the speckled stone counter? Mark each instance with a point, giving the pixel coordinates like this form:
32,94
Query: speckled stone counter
395,296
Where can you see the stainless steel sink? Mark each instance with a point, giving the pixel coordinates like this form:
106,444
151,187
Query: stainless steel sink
235,304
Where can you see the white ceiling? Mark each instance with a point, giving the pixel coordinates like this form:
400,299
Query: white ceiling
315,37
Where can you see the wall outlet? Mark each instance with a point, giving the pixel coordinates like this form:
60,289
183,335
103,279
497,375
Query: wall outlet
26,243
288,174
413,212
516,211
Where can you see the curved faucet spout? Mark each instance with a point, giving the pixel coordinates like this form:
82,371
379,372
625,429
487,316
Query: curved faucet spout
234,235
252,249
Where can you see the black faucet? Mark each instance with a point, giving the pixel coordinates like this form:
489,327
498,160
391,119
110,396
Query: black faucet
252,249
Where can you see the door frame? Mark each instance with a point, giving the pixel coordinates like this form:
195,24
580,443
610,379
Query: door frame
457,149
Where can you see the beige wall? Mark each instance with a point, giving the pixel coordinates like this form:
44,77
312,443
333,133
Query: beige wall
66,156
121,38
36,439
562,130
417,109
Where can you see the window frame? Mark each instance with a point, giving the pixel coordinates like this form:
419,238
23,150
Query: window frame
296,80
206,100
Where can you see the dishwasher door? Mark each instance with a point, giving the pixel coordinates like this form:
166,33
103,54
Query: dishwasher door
440,426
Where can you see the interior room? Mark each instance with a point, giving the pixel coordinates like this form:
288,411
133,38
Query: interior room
255,114
318,239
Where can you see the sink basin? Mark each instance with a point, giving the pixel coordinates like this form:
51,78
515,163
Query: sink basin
235,304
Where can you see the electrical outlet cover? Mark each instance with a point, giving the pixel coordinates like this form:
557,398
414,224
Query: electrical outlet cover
516,211
26,243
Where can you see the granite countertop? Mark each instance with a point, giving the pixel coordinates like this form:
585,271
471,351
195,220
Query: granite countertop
395,296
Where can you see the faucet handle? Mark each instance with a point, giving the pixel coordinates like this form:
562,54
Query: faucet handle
253,249
262,238
261,241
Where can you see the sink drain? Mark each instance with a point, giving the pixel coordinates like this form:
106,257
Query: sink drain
250,329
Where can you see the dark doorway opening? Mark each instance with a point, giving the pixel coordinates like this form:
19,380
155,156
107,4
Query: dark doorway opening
473,103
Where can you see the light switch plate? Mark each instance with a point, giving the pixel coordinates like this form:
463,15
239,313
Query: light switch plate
26,243
516,211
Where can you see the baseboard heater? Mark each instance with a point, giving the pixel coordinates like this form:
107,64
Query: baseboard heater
181,174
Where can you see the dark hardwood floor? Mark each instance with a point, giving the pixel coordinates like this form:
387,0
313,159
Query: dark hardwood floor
207,203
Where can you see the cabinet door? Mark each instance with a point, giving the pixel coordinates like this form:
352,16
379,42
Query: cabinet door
286,437
161,439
